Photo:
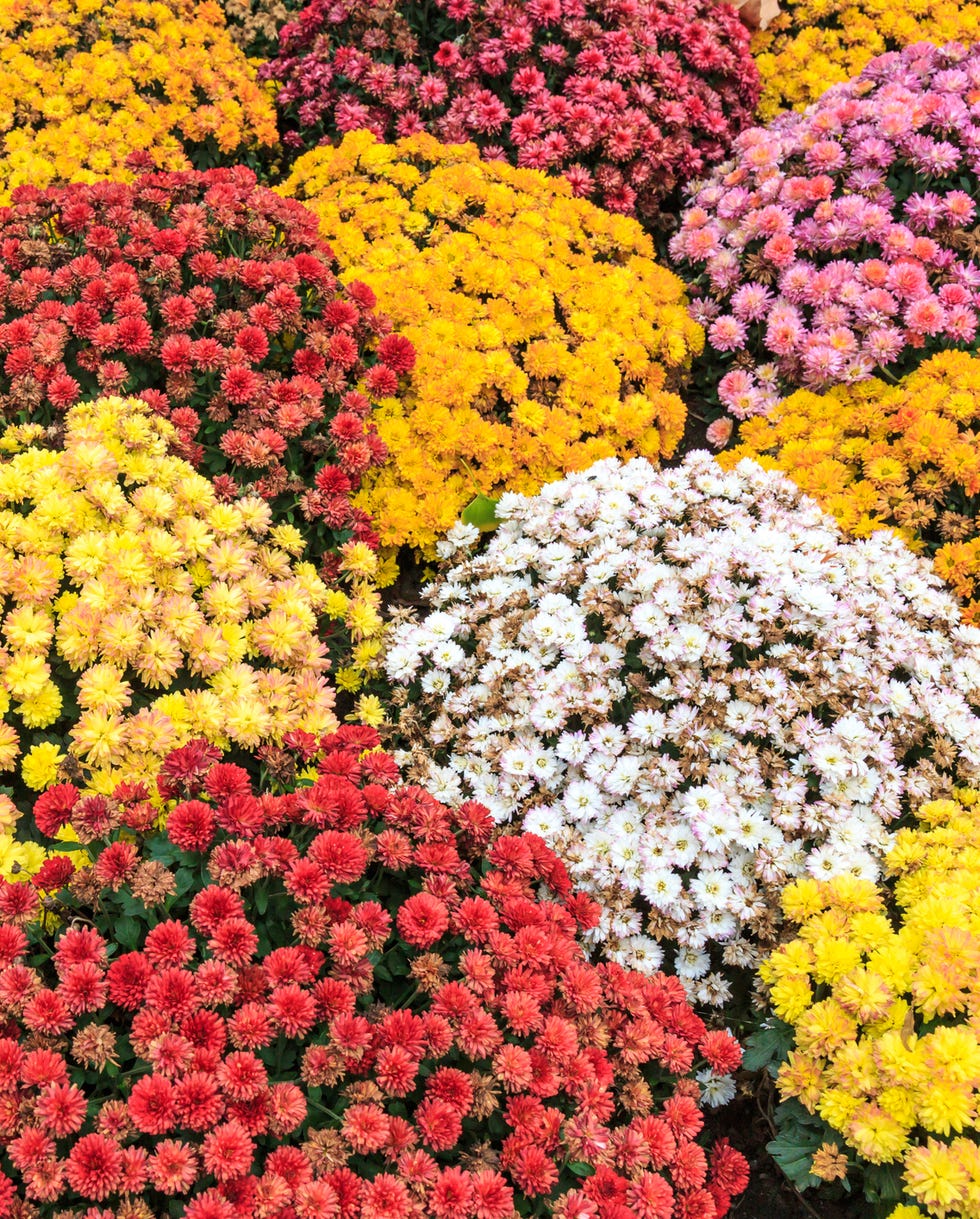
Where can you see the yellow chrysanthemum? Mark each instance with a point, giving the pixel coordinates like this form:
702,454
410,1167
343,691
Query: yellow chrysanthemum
889,1047
546,334
39,768
877,455
813,44
82,86
124,614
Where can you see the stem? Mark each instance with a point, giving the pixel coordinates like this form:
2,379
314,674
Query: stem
772,1128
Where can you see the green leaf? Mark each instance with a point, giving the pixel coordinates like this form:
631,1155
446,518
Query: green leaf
794,1162
768,1047
127,931
581,1169
481,512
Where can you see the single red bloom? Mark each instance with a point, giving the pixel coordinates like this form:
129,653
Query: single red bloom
227,1151
422,920
199,1101
493,1198
212,906
397,352
381,381
47,1013
365,1127
453,1087
234,941
128,976
115,864
152,1104
386,1197
172,992
439,1123
721,1050
729,1168
61,1108
169,943
53,808
83,988
53,874
134,335
534,1171
650,1195
173,1166
63,391
250,1028
292,1009
94,1167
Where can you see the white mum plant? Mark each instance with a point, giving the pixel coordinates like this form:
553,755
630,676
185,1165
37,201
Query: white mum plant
692,686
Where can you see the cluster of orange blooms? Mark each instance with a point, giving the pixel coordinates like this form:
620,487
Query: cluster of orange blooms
903,456
85,83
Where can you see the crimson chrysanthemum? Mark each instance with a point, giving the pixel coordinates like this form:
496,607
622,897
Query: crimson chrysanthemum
229,1033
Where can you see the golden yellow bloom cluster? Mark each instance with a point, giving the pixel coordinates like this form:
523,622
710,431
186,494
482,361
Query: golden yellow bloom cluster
83,83
138,611
813,44
876,455
886,1008
358,606
546,333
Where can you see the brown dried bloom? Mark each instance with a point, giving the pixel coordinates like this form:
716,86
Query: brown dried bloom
133,1208
152,884
479,1157
485,1090
95,1046
363,1091
326,1150
430,971
829,1163
636,1097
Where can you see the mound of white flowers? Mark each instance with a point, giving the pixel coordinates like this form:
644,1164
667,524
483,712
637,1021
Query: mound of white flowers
694,688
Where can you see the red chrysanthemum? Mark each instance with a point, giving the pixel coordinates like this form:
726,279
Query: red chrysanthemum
422,920
94,1167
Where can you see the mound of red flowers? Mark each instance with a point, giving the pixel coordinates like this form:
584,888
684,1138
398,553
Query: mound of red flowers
627,98
214,300
337,1002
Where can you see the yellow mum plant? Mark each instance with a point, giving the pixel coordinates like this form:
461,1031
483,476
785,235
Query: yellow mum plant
547,336
137,611
813,44
876,455
881,991
85,83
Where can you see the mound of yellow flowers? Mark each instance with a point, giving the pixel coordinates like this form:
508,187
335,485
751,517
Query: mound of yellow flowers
85,83
140,612
547,336
813,44
882,989
876,455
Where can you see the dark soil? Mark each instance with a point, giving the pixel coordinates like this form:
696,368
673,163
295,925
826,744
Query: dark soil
769,1194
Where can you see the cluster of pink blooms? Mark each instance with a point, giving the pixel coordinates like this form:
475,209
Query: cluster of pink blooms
363,1011
626,98
836,241
215,301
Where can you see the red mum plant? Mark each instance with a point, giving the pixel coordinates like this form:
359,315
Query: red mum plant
342,1002
215,300
627,98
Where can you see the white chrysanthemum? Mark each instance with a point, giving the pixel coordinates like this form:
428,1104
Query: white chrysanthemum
696,688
